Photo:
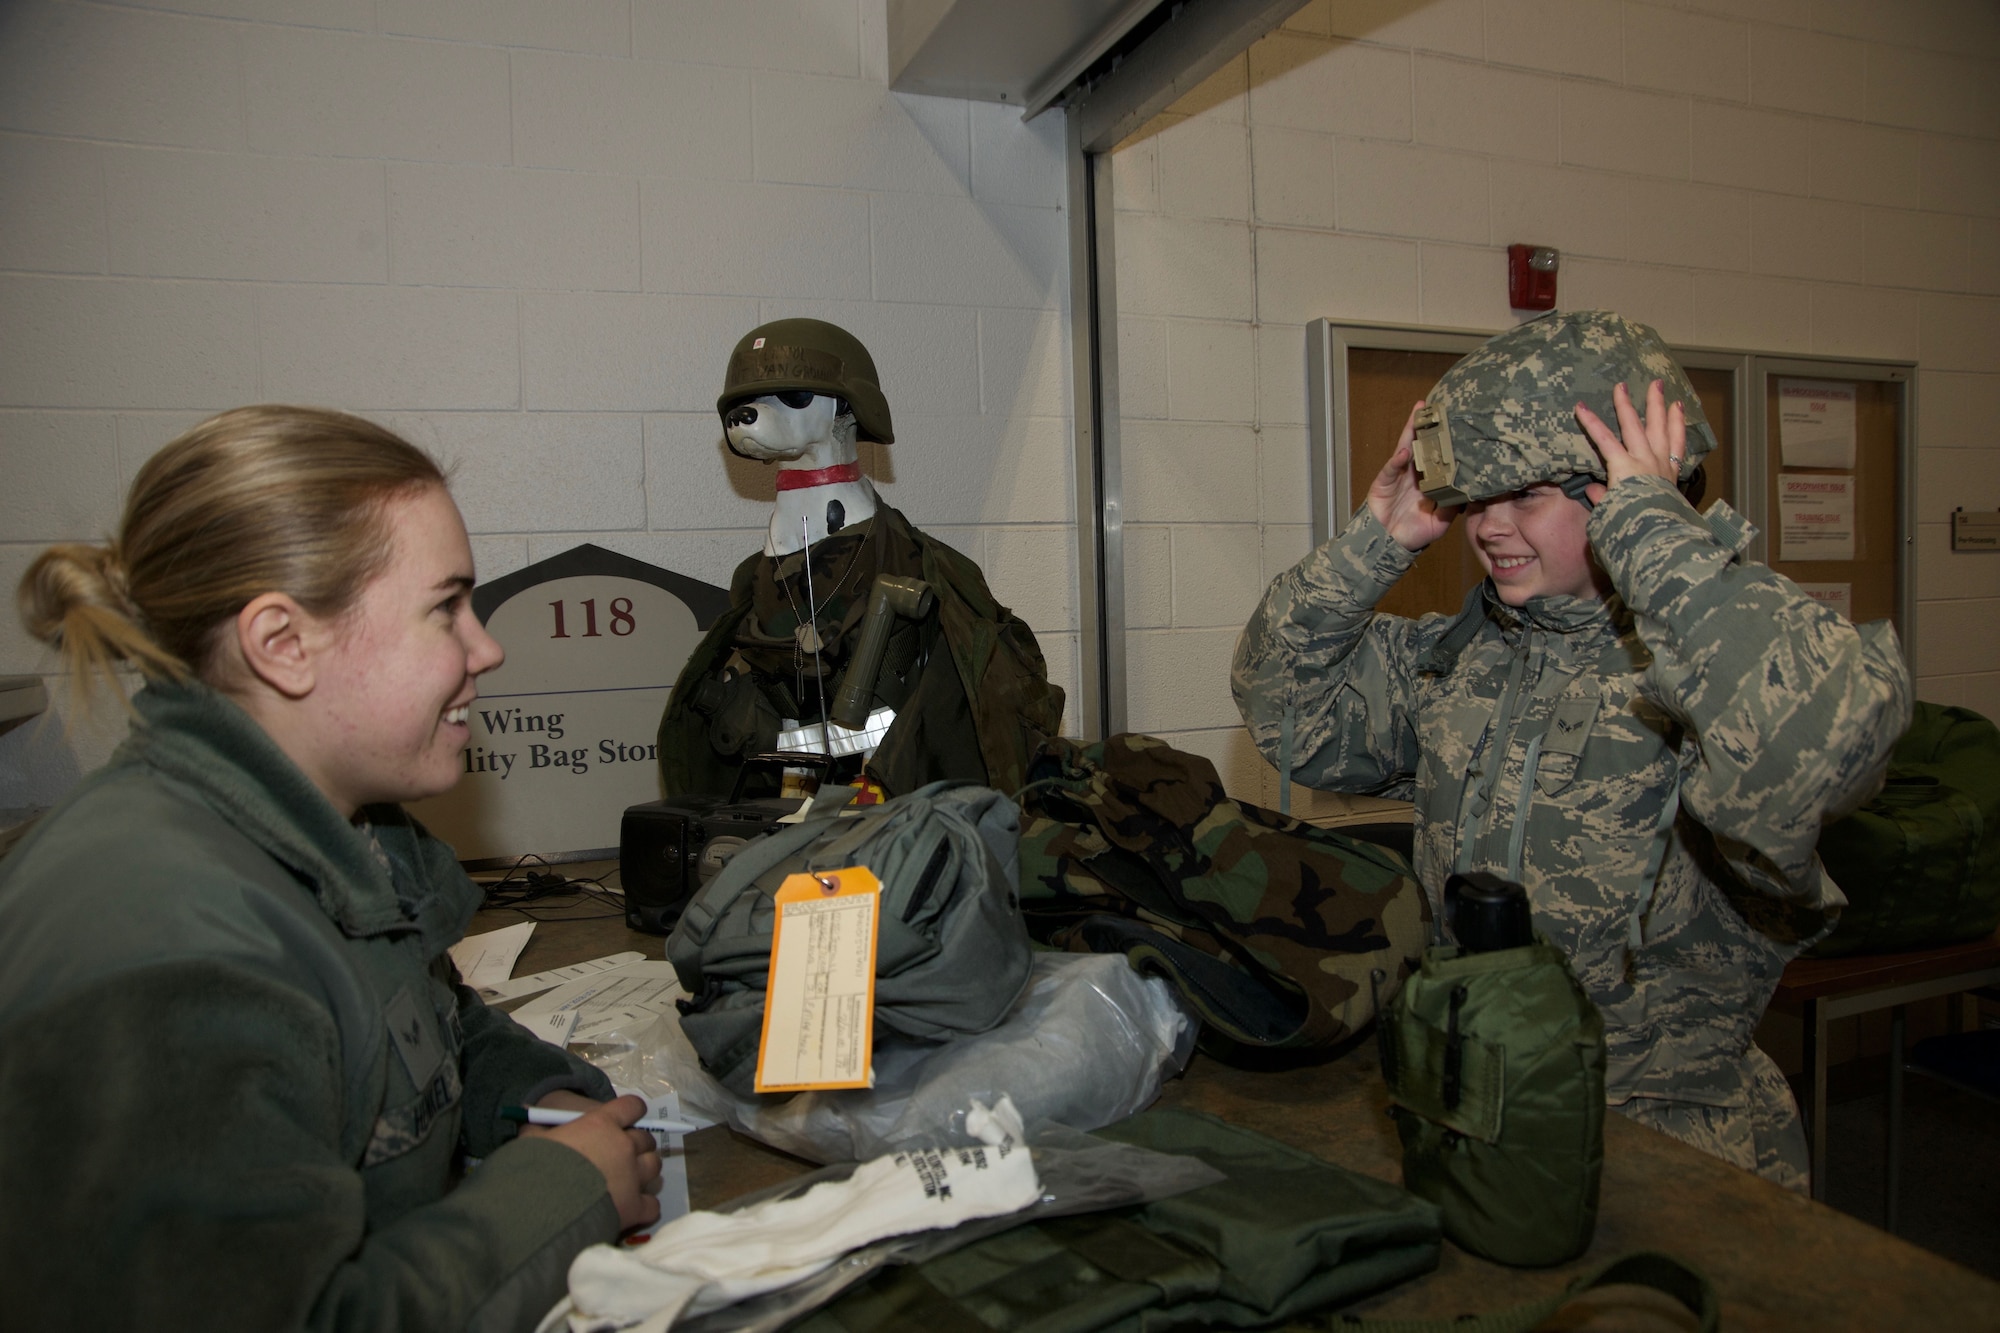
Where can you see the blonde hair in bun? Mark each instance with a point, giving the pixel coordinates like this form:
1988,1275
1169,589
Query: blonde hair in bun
74,597
258,499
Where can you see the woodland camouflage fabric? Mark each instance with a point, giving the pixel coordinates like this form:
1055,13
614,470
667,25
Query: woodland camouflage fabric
1510,404
1132,827
974,711
1654,768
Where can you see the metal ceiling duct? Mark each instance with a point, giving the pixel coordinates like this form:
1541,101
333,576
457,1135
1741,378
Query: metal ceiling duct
1113,64
1024,52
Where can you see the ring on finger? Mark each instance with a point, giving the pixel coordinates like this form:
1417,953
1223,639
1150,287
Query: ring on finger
1675,460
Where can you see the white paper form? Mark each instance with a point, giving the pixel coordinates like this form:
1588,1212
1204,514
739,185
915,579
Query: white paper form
1815,516
541,981
1815,424
484,960
607,999
553,1026
673,1159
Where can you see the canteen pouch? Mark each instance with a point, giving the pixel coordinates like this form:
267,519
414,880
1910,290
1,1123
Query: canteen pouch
1495,1067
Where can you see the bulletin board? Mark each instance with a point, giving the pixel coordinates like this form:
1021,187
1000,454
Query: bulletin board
1362,379
1854,480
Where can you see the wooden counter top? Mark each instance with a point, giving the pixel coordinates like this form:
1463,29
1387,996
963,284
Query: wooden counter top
1778,1260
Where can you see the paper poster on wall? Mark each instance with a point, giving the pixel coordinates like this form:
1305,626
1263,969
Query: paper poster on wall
1815,423
1835,597
563,731
1815,517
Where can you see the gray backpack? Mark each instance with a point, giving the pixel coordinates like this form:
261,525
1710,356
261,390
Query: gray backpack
951,955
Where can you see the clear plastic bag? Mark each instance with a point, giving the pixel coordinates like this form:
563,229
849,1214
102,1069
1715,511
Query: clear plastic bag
1088,1043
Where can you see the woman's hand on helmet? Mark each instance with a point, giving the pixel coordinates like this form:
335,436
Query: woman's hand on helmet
1399,504
1651,446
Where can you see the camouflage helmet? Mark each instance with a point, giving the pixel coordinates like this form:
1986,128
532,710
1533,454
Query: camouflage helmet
1504,417
808,354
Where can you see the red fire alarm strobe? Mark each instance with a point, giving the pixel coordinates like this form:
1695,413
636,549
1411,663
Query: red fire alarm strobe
1531,276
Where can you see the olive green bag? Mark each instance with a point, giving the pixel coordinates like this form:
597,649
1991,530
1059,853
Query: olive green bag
1495,1066
1920,864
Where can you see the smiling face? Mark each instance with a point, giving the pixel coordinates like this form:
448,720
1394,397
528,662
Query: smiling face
396,671
1532,544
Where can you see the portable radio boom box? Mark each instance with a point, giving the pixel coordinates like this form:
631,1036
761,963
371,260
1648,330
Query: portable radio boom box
669,849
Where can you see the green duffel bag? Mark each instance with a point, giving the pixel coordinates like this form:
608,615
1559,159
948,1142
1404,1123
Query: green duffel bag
951,953
1495,1066
1920,864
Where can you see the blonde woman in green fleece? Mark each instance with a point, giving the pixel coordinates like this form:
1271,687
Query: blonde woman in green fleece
239,1082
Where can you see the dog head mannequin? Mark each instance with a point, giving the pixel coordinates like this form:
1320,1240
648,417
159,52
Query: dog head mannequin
802,393
811,437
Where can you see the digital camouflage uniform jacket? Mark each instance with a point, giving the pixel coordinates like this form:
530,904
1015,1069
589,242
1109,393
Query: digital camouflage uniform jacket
240,1081
1654,768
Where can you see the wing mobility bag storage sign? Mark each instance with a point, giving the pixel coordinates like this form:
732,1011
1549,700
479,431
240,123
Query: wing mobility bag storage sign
1920,864
1495,1064
951,955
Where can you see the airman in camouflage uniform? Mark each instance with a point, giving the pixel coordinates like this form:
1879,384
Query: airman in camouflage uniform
1651,752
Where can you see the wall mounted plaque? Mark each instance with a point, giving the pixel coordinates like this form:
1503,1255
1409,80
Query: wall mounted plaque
563,731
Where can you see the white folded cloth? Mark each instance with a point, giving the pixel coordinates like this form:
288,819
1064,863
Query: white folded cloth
704,1261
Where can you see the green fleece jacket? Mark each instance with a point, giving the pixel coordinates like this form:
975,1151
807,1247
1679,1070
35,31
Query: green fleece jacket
238,1078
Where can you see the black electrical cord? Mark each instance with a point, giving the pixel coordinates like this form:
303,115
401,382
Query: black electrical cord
531,886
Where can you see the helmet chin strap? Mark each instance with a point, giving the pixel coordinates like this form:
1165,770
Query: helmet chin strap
1573,486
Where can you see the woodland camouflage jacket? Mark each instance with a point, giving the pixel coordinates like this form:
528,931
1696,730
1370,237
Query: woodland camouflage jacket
1654,767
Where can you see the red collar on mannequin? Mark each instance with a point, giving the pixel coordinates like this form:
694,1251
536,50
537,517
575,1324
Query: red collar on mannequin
793,479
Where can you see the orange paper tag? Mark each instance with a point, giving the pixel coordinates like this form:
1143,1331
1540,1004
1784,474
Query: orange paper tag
819,1005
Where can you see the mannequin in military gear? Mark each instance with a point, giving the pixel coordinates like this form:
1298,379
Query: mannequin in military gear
800,393
962,691
1626,717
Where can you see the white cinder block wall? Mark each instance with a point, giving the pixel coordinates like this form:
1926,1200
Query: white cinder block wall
1785,175
526,233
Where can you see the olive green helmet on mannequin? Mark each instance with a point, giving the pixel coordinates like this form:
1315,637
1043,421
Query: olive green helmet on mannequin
808,354
1504,417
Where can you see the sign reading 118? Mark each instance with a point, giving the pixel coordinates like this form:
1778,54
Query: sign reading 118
621,619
